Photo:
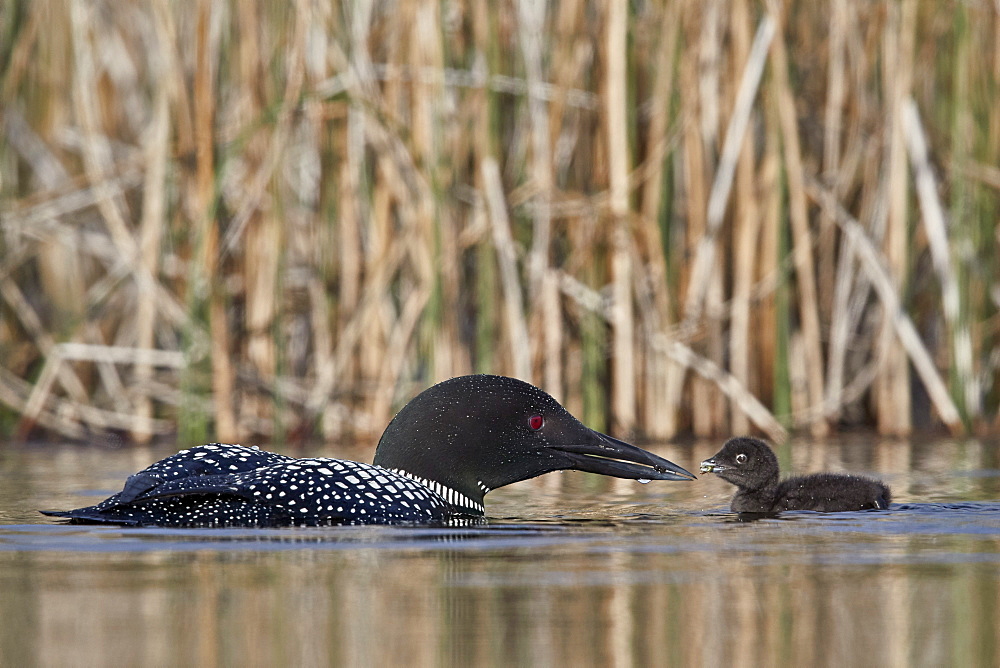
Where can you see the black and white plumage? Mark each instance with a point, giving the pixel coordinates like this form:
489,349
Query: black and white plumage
751,465
436,460
233,485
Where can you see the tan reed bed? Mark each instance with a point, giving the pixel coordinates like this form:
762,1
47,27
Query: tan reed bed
232,220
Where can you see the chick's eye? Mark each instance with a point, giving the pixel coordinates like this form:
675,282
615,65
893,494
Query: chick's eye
741,458
536,422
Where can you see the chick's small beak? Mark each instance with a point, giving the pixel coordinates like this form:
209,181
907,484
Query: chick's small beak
709,466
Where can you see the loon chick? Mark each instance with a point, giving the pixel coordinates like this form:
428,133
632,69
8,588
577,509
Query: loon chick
438,458
750,464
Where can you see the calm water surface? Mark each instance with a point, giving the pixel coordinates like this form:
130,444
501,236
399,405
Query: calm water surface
571,569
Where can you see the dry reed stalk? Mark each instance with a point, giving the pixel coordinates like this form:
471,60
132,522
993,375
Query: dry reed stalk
20,55
986,174
151,357
799,215
851,293
450,354
552,333
256,220
746,228
845,274
729,385
13,393
654,366
531,20
623,372
969,213
173,76
400,192
517,329
415,228
62,276
840,324
400,170
704,259
963,228
42,339
399,340
354,208
316,259
659,415
33,407
591,301
66,415
364,324
59,264
323,363
718,408
97,153
690,187
350,213
570,61
351,210
593,387
379,327
384,261
203,196
63,197
798,381
41,390
937,241
542,290
261,259
705,277
874,266
433,140
111,382
709,54
764,340
150,233
892,394
264,155
833,113
709,410
401,89
43,221
96,150
412,180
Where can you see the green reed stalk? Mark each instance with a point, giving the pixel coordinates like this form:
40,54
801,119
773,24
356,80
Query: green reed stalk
963,383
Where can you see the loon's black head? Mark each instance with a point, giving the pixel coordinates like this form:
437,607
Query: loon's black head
473,434
745,462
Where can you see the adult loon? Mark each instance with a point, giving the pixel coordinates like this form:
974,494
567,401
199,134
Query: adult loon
750,464
437,459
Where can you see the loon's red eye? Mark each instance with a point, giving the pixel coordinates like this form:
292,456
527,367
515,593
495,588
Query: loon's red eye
536,422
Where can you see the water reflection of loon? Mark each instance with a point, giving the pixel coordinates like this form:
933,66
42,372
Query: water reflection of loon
471,532
436,461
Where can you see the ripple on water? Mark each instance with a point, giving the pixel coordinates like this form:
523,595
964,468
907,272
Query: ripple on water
642,529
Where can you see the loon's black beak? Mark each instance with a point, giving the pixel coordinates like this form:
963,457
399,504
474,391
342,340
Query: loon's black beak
609,456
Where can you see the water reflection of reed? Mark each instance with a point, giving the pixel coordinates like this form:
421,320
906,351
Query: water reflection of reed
736,600
704,216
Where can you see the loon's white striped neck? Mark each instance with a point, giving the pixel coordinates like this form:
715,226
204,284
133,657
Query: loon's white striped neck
452,496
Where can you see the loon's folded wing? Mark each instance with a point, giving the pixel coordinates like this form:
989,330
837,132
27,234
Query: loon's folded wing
204,460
